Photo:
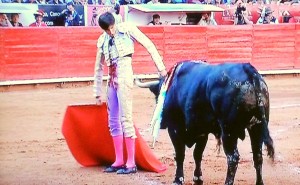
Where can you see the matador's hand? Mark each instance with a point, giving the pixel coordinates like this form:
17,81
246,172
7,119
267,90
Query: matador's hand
98,100
163,73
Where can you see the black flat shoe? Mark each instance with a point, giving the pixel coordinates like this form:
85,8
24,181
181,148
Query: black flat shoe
178,181
112,169
127,170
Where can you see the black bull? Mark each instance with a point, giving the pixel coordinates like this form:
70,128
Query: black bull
222,99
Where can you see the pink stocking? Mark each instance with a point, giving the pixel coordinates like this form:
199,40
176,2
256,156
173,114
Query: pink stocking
130,147
118,145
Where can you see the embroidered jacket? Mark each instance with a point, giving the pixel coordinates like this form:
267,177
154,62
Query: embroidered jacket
125,33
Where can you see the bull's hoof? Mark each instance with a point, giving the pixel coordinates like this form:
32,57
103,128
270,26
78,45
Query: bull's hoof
178,181
198,180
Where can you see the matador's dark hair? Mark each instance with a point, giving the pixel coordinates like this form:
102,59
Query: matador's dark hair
105,20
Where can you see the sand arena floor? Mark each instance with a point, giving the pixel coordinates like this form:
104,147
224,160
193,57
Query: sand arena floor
33,149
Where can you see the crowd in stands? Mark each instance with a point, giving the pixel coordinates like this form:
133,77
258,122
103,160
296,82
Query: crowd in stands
70,16
125,2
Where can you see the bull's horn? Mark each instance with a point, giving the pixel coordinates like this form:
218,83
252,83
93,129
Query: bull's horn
145,84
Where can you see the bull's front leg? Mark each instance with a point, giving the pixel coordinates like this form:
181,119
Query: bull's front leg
179,147
198,153
232,154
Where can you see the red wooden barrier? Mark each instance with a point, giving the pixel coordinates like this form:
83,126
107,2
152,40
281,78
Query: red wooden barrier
142,62
297,46
2,61
33,53
273,46
184,43
229,44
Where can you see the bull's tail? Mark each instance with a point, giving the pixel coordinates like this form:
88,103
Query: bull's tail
268,141
263,108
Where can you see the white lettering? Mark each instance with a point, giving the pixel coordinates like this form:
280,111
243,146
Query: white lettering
49,23
228,18
54,14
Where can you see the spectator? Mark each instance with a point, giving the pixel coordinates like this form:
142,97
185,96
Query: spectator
111,2
38,19
84,2
286,2
260,2
178,1
266,16
153,2
4,22
76,2
229,2
38,1
96,2
116,14
274,2
209,2
15,20
56,2
126,2
191,18
241,14
206,20
6,1
250,2
196,1
218,2
286,17
71,17
155,20
20,1
94,18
